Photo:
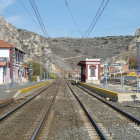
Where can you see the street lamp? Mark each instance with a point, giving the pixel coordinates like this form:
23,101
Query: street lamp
138,43
104,73
128,65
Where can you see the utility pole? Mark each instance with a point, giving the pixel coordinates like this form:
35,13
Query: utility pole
104,73
40,68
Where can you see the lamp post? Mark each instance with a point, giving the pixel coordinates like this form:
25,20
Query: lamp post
138,43
127,57
104,72
11,69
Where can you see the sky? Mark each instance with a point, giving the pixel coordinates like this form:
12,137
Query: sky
120,17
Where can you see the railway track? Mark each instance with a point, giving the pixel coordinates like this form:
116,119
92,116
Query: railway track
95,125
65,111
21,122
42,123
43,130
18,107
127,115
109,115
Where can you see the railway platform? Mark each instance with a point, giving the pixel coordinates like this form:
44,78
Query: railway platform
112,92
18,89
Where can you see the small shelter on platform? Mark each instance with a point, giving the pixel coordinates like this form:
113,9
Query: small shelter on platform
90,70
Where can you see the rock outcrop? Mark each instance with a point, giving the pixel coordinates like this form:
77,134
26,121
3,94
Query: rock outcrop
33,44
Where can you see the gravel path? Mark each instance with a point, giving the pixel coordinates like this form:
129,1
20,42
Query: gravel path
118,127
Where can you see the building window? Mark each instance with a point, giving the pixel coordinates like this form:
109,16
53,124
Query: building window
92,71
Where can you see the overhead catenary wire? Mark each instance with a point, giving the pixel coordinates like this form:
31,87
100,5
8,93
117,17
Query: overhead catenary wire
28,12
35,11
41,19
98,18
73,17
94,18
114,28
94,23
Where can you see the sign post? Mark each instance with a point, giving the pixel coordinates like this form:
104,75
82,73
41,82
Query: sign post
30,72
118,64
11,69
114,64
106,75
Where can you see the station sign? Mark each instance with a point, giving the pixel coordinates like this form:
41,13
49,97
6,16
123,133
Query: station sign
113,64
3,59
130,78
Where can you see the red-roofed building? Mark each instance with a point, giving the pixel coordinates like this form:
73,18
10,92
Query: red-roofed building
17,71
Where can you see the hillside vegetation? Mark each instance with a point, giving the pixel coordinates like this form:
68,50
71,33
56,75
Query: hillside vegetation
74,50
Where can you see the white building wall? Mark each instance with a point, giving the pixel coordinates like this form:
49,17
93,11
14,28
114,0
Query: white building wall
1,75
4,53
96,73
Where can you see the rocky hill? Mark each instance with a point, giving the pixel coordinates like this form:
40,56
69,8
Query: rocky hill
33,44
74,50
65,53
130,53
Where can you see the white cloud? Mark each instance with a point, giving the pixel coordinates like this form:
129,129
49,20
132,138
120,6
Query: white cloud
5,3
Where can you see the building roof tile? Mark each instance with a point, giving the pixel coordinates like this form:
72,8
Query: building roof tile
4,44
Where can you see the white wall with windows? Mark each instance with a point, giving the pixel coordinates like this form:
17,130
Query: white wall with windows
89,73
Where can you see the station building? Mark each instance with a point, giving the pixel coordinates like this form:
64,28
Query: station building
11,64
90,70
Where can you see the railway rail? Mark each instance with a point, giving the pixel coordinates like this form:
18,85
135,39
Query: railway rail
132,118
18,107
97,128
109,115
22,122
40,126
65,111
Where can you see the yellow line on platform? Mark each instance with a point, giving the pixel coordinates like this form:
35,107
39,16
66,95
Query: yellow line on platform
10,90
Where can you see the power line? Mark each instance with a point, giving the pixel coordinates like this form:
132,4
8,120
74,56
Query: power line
37,17
115,28
92,26
98,18
40,19
28,13
69,29
94,18
37,22
72,17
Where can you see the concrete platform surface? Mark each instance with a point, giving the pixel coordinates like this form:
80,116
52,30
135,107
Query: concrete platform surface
111,92
112,88
15,88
